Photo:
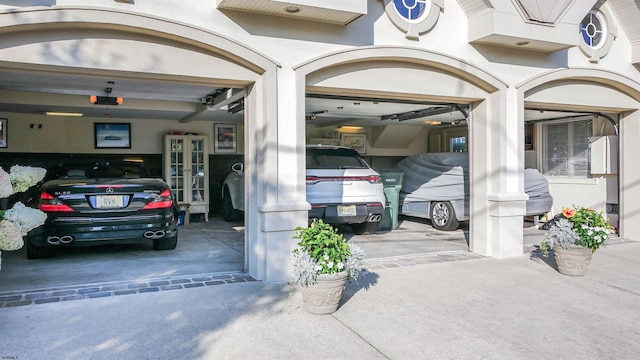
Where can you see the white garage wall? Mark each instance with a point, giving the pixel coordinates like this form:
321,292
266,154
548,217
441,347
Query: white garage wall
76,134
566,192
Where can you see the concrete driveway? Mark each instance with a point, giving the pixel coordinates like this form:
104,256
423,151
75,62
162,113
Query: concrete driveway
203,248
214,247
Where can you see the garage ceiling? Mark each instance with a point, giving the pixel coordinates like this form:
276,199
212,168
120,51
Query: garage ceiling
34,92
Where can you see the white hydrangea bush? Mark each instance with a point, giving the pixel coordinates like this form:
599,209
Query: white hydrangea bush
20,219
10,237
24,177
5,184
24,218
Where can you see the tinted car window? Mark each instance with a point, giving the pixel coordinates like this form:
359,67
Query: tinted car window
100,169
334,159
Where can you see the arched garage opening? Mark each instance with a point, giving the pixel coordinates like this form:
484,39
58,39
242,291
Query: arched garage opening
173,78
585,125
397,74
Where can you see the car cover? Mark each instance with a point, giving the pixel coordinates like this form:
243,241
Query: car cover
537,187
445,177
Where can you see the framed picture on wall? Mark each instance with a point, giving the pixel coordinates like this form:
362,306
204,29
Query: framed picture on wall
355,141
112,135
224,138
3,133
323,141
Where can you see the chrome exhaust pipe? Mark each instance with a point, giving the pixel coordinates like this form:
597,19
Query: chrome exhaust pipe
374,218
53,240
66,239
154,234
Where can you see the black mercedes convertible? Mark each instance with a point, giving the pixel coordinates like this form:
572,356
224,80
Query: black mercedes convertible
100,202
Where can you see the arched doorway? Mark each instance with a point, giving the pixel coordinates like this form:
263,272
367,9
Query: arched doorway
397,73
607,103
54,58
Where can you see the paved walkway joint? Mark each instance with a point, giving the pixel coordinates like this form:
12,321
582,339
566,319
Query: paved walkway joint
88,291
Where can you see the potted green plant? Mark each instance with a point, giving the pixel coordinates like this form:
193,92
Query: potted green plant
322,262
575,235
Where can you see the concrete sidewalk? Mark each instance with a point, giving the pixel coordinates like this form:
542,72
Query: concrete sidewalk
481,308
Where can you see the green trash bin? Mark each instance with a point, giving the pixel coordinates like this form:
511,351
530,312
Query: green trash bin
392,181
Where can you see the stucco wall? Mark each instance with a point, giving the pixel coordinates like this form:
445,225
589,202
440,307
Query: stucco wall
292,41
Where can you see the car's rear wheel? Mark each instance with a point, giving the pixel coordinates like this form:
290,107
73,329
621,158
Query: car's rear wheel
229,213
168,243
365,228
38,252
442,216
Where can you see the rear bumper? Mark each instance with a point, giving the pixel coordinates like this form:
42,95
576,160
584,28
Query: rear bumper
364,213
83,231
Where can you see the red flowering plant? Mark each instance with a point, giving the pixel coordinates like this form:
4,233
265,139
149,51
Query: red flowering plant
577,226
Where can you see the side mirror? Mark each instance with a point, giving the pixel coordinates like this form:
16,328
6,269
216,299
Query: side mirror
238,167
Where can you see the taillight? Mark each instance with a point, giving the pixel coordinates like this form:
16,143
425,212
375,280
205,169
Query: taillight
161,201
373,179
50,203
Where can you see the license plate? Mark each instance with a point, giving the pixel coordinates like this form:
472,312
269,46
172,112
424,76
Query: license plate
109,201
346,210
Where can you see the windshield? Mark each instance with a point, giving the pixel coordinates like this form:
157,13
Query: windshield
334,159
100,169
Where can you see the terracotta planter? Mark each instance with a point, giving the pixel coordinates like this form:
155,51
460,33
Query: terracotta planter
324,296
573,261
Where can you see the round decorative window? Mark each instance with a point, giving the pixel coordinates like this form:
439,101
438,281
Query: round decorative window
594,30
414,17
596,35
412,10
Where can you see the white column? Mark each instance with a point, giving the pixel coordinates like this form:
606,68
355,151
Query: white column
498,201
276,195
629,209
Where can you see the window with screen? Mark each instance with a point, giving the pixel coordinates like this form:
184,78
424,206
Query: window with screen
565,150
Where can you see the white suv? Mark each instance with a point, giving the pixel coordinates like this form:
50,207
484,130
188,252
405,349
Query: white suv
341,188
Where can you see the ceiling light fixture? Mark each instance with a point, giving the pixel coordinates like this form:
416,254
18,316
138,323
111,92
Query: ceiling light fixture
292,9
57,113
350,127
106,100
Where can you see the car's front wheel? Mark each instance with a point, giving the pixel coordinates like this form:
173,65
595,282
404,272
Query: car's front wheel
365,228
442,216
168,243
